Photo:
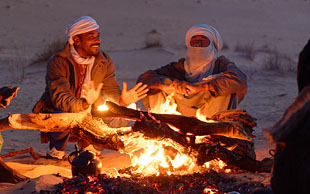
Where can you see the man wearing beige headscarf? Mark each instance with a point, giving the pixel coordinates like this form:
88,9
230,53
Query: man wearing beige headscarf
80,77
201,82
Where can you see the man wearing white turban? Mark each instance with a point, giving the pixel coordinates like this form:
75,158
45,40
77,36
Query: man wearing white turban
81,77
201,82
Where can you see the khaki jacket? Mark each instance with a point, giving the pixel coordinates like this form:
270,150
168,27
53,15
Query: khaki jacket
61,81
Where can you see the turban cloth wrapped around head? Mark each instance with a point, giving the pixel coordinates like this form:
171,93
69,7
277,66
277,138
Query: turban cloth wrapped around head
199,62
79,26
206,30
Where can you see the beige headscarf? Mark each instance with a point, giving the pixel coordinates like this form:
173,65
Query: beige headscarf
79,26
199,62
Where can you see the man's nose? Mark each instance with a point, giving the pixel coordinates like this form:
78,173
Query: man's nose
97,40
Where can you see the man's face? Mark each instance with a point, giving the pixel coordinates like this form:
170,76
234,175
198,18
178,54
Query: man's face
199,41
87,44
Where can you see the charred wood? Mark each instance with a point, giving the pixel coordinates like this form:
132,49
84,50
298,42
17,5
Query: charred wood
209,152
183,123
157,130
82,126
238,158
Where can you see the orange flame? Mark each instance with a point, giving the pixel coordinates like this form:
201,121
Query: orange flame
210,191
169,107
156,160
202,117
103,107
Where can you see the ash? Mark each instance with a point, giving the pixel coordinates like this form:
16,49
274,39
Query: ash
195,183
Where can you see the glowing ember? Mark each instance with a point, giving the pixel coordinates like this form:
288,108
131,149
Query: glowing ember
215,164
103,107
210,190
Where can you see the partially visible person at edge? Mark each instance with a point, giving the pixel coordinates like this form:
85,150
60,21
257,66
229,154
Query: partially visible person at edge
200,81
78,76
303,68
6,95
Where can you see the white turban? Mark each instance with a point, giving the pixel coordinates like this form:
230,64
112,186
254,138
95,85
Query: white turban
81,25
208,31
199,62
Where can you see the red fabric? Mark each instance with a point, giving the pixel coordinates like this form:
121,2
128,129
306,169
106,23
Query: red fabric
45,137
81,75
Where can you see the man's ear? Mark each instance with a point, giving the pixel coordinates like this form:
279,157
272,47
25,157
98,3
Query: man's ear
76,40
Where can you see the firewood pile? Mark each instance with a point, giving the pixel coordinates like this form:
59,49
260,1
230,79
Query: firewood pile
195,183
229,137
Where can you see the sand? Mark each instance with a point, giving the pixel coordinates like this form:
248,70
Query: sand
266,30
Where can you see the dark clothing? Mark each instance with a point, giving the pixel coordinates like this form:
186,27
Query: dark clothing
228,87
303,69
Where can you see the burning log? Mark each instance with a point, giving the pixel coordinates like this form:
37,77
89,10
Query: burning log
184,124
154,126
203,152
209,152
234,125
80,125
237,115
157,130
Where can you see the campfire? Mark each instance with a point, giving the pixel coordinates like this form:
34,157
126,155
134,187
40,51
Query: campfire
162,147
163,156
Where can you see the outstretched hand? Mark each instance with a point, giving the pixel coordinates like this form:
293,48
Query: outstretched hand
6,95
90,93
134,94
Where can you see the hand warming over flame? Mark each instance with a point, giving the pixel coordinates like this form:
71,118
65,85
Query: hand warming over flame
183,88
90,93
133,95
180,87
176,87
193,89
167,88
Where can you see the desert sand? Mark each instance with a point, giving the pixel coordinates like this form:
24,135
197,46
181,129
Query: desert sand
262,37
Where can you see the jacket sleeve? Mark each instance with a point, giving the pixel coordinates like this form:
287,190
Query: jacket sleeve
57,80
230,80
110,89
174,70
